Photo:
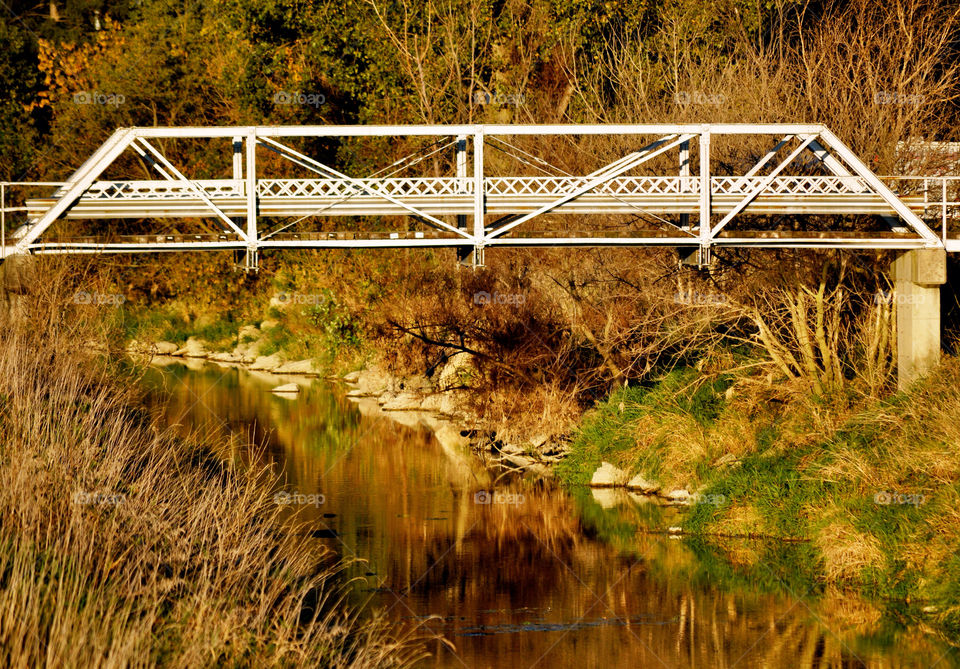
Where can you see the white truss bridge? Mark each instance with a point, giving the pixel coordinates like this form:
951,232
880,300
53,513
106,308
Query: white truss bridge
479,186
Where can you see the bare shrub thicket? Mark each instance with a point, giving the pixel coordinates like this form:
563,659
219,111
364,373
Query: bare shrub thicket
875,73
613,316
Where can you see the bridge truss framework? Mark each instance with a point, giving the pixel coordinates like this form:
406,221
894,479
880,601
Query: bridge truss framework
693,204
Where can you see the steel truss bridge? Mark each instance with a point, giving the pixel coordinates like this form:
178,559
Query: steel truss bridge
474,187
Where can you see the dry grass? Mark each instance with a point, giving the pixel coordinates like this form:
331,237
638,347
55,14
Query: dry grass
544,411
122,545
842,609
740,520
847,552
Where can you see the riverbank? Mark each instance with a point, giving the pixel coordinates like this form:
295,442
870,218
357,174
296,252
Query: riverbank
865,485
398,497
870,485
125,544
442,401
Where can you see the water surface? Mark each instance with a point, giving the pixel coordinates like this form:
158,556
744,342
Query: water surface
534,576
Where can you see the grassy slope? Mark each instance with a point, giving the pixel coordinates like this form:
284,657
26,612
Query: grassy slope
873,486
323,332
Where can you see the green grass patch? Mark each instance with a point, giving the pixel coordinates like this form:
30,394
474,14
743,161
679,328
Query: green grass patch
609,431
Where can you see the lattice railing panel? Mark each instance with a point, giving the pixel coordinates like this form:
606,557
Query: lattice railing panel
343,188
171,190
789,185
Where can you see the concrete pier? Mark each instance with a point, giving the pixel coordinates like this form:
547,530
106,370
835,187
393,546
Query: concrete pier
918,275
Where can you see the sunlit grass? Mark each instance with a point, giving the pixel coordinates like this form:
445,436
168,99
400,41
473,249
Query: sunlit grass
122,544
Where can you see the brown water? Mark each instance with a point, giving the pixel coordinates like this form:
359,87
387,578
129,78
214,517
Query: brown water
539,577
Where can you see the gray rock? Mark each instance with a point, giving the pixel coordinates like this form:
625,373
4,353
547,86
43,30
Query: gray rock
194,348
297,367
403,402
643,485
267,363
510,449
372,382
225,356
351,377
269,324
679,495
287,388
248,352
165,348
459,372
412,384
539,440
608,476
519,461
248,331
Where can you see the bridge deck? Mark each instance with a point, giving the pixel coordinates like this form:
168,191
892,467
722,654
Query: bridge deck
411,239
452,196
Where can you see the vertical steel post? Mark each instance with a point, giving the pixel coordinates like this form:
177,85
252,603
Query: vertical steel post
684,173
238,158
463,252
479,232
705,204
944,210
461,148
252,260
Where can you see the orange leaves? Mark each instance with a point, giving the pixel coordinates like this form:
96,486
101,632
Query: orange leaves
67,68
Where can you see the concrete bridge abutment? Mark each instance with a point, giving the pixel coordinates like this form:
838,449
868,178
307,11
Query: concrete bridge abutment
918,275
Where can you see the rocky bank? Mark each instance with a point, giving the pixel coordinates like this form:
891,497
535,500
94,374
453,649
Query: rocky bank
437,402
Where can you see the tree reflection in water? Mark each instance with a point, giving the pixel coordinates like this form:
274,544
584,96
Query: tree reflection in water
535,577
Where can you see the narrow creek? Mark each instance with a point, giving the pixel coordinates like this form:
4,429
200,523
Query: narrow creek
534,577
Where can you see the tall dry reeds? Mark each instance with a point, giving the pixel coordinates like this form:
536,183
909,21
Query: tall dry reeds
123,545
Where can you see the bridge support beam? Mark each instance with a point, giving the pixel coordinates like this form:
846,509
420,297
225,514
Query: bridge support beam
918,275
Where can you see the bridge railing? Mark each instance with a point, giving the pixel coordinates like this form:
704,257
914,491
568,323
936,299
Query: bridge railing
939,206
941,197
13,201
